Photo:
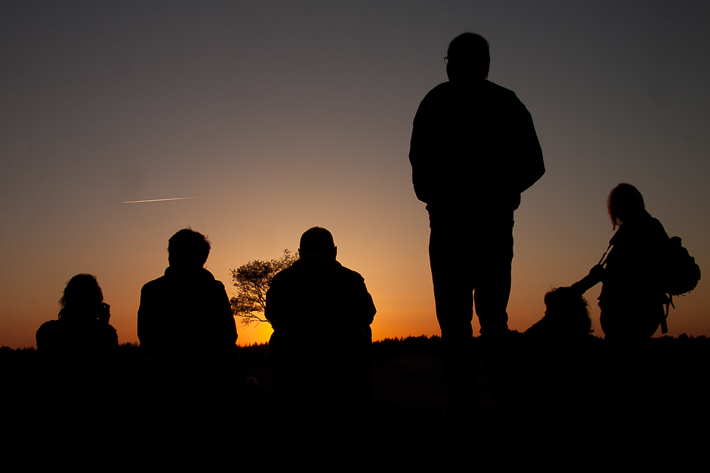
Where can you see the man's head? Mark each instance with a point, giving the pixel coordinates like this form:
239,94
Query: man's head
317,240
468,57
188,248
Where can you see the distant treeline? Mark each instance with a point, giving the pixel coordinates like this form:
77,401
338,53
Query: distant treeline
682,349
690,349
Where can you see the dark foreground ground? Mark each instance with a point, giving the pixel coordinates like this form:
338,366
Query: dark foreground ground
409,393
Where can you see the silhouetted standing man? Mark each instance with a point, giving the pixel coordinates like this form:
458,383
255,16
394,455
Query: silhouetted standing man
473,152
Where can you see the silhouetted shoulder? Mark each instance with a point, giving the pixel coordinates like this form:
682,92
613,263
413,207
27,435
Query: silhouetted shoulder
282,275
151,285
76,358
46,335
447,91
156,285
351,275
176,279
53,331
493,88
640,229
321,287
313,269
47,329
185,304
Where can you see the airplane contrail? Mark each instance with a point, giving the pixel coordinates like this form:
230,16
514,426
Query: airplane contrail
161,200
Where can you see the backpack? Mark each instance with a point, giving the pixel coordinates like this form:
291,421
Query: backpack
681,275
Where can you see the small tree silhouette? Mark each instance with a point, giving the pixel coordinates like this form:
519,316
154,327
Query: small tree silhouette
252,280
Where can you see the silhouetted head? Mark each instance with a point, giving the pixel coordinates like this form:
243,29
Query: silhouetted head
624,202
568,310
317,240
468,57
188,248
81,296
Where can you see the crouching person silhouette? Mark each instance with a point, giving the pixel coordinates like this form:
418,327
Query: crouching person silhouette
320,351
188,334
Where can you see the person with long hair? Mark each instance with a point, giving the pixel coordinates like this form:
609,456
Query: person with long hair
631,299
78,352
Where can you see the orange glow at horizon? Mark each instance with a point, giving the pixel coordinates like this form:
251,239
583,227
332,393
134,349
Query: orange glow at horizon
284,131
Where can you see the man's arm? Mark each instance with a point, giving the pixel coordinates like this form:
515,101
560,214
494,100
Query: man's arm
145,314
422,150
530,166
367,306
274,303
228,327
361,301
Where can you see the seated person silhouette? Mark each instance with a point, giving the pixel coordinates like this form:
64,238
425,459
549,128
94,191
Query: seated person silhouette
320,351
188,334
78,354
560,358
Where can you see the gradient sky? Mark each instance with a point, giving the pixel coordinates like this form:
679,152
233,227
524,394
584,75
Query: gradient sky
284,115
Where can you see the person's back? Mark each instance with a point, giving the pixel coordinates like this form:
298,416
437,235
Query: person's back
78,355
319,289
321,313
633,276
187,331
482,137
185,319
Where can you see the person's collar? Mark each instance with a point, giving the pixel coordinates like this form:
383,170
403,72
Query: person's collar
187,271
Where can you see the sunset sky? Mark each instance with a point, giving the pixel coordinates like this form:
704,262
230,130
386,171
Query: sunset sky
276,116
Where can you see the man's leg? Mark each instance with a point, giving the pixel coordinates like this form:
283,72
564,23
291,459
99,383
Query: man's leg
493,262
453,294
492,293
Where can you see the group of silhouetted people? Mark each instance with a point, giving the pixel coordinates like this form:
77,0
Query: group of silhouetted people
192,374
474,151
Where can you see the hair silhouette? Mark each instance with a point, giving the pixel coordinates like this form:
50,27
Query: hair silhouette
468,57
188,248
624,201
316,240
82,299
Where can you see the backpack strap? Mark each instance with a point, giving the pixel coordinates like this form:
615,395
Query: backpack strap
603,260
668,303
